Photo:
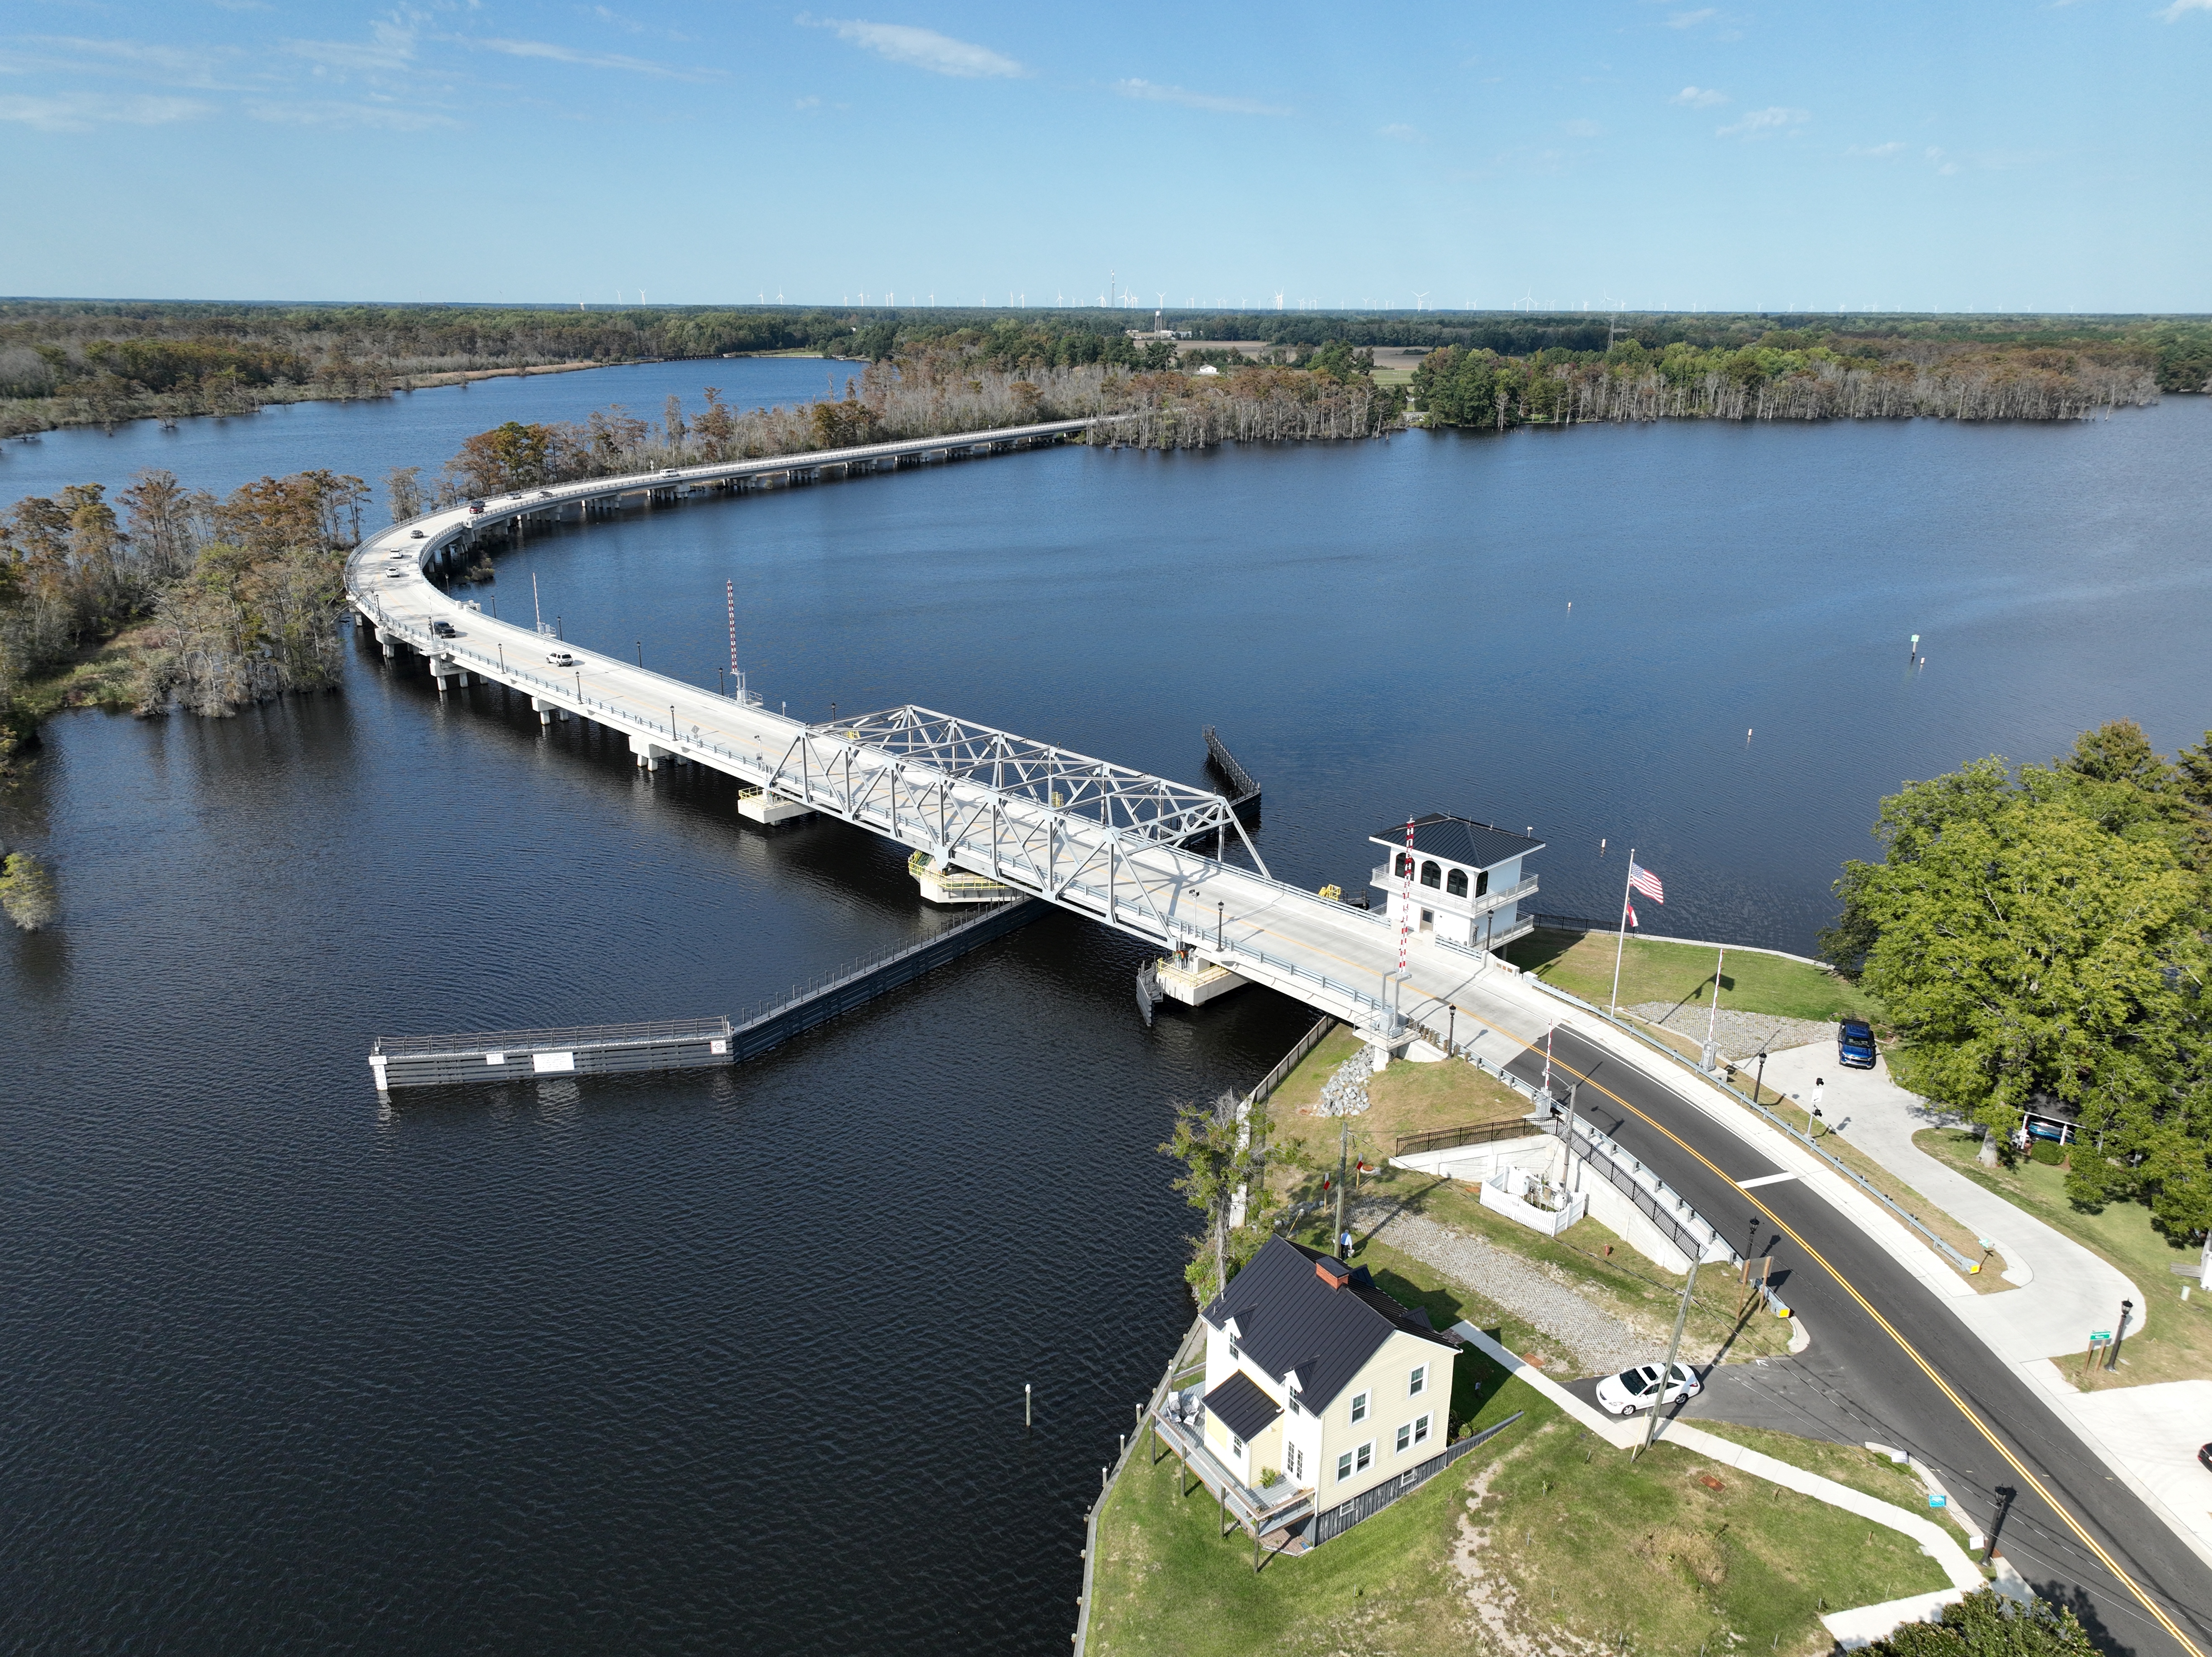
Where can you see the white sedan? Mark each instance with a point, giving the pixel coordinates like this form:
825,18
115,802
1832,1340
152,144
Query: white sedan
1639,1388
562,658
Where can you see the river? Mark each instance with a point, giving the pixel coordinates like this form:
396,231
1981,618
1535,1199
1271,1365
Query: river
735,1361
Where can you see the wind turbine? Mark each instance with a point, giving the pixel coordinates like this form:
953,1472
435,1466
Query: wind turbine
1419,297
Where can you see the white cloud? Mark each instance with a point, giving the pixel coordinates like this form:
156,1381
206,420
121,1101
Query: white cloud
1690,20
180,66
390,49
1152,92
921,48
1765,122
1698,97
1404,134
547,52
1581,129
1876,151
332,113
80,111
2172,13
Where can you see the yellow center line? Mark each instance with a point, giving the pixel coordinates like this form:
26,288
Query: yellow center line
1905,1345
1851,1288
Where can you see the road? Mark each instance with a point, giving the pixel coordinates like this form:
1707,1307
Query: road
1859,1372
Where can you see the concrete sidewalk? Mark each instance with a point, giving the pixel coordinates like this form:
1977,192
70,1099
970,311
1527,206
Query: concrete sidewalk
2065,1291
2148,1434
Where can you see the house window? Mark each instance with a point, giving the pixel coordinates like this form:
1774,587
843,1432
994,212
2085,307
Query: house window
1236,1445
1234,1355
1358,1408
1344,1466
1431,875
1421,1429
1419,1381
1456,883
1405,1436
1404,865
1355,1461
1294,1461
1482,882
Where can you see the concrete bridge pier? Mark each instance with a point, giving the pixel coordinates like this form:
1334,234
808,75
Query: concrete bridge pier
447,675
648,755
391,646
545,710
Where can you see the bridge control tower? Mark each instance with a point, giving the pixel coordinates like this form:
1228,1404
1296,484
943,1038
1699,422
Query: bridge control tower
1469,891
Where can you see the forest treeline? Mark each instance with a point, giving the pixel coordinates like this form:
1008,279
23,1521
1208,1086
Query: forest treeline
1782,376
925,393
75,362
219,602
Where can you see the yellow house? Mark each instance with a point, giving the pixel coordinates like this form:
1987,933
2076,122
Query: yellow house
1315,1375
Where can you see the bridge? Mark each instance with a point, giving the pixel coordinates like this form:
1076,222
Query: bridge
1155,859
1150,857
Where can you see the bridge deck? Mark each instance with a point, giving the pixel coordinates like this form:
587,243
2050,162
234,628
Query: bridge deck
1094,838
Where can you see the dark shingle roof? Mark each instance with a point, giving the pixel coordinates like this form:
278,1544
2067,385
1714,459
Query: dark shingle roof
1240,1406
1288,1319
1459,840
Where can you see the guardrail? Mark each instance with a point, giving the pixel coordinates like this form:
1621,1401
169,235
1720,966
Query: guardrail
1965,1265
1654,1198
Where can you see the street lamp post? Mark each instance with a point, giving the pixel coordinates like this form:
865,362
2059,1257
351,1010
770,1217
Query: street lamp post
2119,1334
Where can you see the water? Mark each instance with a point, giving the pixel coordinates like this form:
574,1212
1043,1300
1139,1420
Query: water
712,1362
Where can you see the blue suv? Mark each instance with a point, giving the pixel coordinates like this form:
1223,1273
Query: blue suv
1855,1044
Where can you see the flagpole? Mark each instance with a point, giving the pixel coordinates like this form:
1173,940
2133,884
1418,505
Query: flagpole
1621,948
1713,1017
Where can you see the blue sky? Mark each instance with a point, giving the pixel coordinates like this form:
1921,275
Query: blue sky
1969,156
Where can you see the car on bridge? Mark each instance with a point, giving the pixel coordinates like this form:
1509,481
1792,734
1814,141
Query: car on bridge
1639,1388
412,534
1855,1044
562,658
444,628
476,507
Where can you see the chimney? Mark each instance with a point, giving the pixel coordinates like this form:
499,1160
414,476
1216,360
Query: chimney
1334,1273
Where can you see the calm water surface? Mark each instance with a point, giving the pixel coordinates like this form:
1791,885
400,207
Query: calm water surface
735,1362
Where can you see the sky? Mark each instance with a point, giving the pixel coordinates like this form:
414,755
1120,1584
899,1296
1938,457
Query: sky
1863,154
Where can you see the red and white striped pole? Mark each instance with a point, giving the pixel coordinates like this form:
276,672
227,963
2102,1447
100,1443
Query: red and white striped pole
737,679
1404,919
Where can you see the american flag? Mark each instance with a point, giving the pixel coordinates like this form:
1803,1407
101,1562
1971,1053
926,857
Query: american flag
1642,880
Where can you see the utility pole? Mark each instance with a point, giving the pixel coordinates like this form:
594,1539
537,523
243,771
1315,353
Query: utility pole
1713,1016
1666,1376
1343,1154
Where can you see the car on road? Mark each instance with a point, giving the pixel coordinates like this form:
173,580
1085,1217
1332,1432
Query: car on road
669,471
2204,1456
476,507
415,535
562,658
444,629
1639,1388
1855,1044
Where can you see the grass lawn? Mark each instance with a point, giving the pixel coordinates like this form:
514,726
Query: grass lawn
1406,1098
1545,1532
1580,963
2176,1342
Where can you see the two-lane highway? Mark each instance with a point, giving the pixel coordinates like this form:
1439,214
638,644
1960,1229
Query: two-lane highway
1893,1353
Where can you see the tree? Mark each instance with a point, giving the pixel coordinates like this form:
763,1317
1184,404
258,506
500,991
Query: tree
27,892
402,488
1226,1151
2043,935
1985,1624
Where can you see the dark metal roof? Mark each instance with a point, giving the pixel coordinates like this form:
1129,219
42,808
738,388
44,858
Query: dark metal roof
1239,1404
1459,840
1288,1319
